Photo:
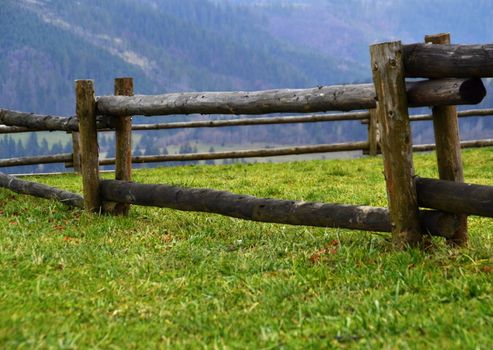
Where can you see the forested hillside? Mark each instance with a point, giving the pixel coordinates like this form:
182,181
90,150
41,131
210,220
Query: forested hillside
165,45
183,45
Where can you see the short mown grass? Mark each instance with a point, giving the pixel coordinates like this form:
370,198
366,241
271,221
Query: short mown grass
162,278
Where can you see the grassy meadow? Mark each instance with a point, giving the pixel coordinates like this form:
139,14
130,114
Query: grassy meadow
162,278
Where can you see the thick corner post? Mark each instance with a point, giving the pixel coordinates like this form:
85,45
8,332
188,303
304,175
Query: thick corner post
123,142
86,113
448,150
395,133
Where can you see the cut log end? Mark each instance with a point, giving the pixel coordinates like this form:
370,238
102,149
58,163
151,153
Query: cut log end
472,91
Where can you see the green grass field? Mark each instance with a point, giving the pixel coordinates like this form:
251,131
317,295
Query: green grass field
161,278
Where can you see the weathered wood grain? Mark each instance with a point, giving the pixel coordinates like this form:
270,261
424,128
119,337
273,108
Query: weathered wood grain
320,99
123,143
455,197
39,190
448,61
448,147
86,114
39,122
395,133
262,209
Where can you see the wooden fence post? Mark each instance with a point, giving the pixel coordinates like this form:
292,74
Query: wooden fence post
395,132
448,150
76,152
123,143
86,113
373,137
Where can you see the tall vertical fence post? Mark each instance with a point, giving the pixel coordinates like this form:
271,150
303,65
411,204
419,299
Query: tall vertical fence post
395,133
76,152
123,143
86,113
448,150
373,137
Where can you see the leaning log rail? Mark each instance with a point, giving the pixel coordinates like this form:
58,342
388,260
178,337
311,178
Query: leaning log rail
39,190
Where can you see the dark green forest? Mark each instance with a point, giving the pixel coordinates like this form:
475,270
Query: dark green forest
193,45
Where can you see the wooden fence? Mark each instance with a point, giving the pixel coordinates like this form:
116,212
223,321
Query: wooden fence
367,147
455,80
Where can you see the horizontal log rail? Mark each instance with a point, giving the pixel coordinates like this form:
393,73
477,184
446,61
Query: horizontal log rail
347,116
255,121
39,122
57,158
4,129
447,61
469,113
269,152
463,144
263,209
352,146
320,99
39,190
455,197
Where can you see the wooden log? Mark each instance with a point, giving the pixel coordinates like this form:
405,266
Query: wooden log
373,132
320,99
448,61
461,114
446,92
395,133
262,209
464,144
255,121
4,129
38,122
448,147
76,158
86,114
57,158
39,190
123,144
455,197
271,152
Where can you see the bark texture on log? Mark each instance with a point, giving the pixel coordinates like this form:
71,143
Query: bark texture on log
4,129
39,190
262,209
395,133
38,122
57,158
321,99
448,61
455,197
86,114
448,147
123,143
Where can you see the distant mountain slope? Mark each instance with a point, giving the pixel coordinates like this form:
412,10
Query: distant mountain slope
165,45
347,27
